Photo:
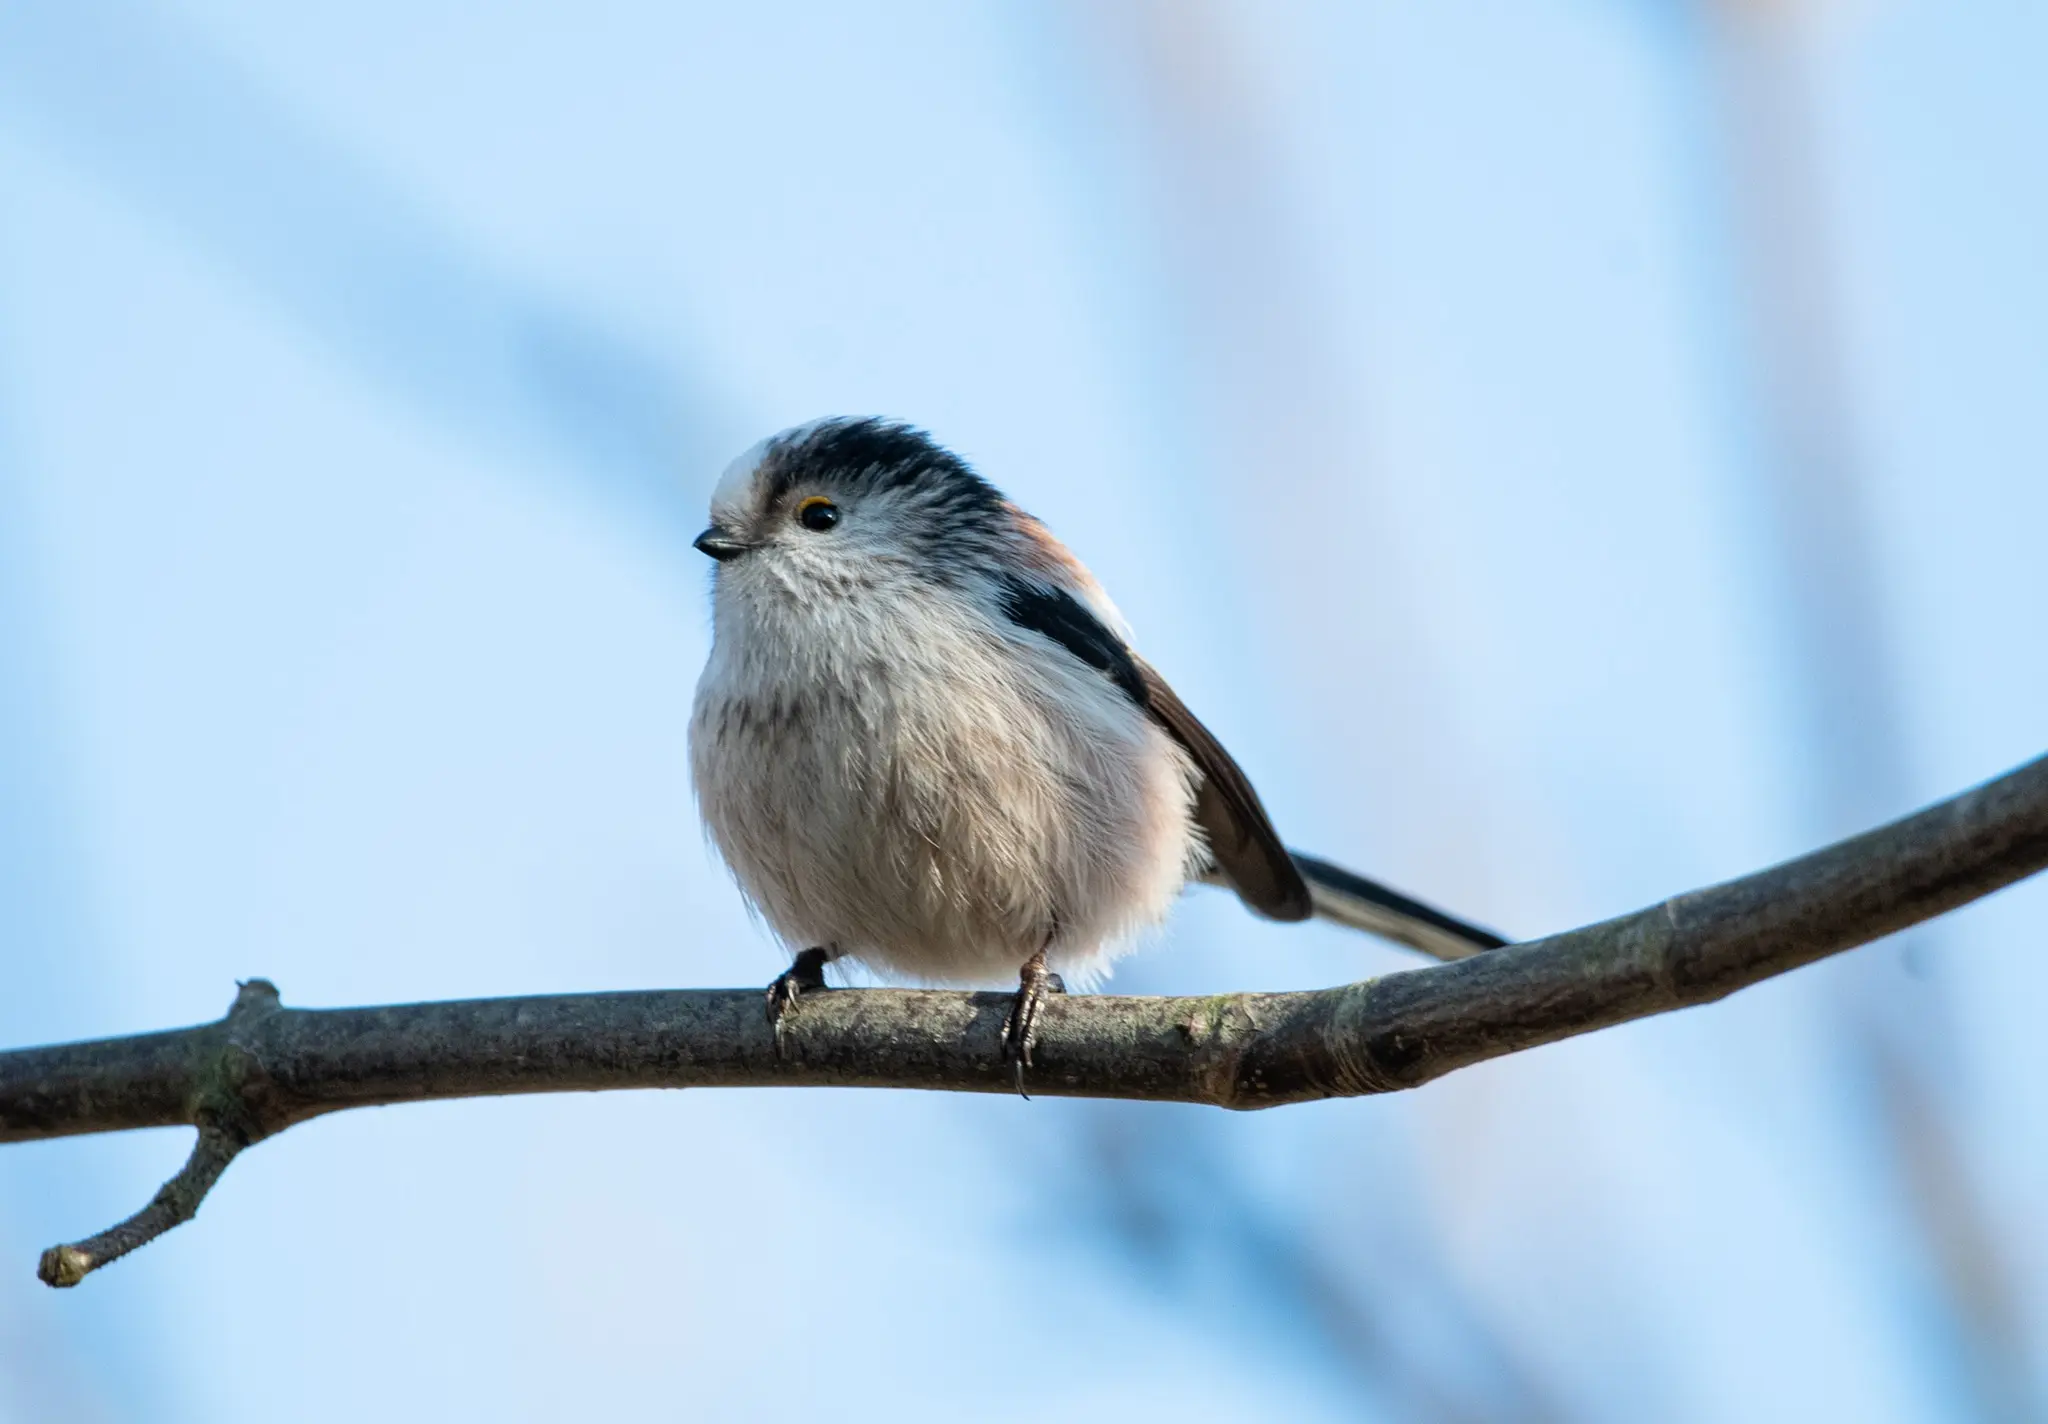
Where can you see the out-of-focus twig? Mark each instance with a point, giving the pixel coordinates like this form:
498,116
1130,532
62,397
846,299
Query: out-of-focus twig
1263,350
1838,648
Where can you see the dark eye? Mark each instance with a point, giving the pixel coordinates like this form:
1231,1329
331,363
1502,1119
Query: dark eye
817,514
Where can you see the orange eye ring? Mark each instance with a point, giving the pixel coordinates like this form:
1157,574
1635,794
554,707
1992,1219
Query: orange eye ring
817,513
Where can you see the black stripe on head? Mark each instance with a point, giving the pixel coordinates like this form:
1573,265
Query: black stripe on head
867,455
1066,620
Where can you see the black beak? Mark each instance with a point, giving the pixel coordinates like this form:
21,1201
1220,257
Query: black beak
720,545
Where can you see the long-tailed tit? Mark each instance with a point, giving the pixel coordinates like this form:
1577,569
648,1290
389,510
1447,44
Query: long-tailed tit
923,742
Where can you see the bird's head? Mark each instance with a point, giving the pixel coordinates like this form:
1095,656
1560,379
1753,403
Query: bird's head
835,505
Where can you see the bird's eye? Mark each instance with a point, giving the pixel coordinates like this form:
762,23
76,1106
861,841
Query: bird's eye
817,514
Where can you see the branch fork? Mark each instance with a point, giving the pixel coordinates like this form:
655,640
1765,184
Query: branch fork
226,1126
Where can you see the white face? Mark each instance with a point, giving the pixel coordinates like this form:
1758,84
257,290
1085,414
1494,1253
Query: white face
735,496
806,532
731,499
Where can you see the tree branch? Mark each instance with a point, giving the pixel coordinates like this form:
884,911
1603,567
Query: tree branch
265,1067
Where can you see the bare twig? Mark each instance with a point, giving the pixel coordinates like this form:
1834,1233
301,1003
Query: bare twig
265,1067
175,1203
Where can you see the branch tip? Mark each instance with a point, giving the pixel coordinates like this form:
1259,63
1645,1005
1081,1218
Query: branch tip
63,1266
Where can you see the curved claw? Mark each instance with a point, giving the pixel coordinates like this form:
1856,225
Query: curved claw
1035,983
805,976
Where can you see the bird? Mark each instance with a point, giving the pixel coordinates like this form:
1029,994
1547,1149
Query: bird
923,741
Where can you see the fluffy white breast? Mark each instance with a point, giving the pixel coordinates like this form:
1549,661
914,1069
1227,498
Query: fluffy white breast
897,772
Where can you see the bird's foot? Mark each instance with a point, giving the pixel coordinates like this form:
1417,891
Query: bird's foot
1035,983
805,976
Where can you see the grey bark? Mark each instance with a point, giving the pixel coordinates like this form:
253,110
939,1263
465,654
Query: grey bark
265,1067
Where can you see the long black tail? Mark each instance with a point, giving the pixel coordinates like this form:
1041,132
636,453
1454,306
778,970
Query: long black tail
1367,905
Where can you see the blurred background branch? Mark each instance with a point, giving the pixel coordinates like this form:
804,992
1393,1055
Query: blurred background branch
1821,576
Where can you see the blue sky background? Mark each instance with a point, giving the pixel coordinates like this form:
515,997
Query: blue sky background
1571,452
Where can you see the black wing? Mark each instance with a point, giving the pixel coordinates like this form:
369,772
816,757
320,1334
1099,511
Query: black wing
1066,620
1247,850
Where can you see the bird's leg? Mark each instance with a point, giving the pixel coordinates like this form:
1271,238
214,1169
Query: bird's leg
802,977
1034,983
